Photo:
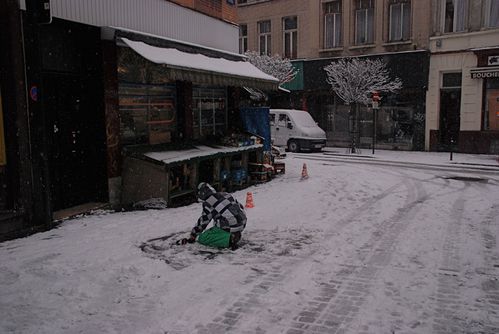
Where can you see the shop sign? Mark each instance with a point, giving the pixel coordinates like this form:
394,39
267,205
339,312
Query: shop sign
493,60
484,73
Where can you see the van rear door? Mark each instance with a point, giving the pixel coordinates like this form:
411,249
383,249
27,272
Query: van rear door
282,132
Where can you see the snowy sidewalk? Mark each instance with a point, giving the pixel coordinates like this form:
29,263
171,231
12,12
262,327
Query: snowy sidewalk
427,160
435,158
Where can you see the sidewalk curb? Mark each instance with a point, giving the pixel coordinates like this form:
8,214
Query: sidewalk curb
453,166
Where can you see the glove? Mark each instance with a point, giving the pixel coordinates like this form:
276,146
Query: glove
192,239
183,241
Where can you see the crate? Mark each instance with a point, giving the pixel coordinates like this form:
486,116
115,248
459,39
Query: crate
254,167
279,168
239,175
259,177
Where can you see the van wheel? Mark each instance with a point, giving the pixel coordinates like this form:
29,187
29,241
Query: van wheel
293,146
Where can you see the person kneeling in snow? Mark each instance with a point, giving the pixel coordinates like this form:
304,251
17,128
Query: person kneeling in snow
228,215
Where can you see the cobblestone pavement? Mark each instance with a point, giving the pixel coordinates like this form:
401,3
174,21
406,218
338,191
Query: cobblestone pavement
387,286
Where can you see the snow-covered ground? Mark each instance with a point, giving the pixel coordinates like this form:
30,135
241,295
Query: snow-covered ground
355,248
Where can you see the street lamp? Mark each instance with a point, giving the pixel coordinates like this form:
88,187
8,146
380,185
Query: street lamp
375,98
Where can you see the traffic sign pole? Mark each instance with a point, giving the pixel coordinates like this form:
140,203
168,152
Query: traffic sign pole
375,106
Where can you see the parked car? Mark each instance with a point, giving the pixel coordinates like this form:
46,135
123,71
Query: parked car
296,130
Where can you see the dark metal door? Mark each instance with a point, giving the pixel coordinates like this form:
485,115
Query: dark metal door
450,110
77,165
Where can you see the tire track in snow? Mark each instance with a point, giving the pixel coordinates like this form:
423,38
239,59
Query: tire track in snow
339,299
447,298
450,304
490,281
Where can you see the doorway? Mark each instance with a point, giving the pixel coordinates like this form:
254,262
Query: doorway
76,143
450,111
450,117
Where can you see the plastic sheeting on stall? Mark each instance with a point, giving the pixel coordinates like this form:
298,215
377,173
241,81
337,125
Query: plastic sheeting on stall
256,121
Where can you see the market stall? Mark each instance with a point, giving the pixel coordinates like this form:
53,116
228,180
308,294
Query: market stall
174,174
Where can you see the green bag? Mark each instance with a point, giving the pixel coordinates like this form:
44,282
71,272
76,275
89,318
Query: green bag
215,237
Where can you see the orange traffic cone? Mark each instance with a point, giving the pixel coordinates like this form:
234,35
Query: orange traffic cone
249,200
304,173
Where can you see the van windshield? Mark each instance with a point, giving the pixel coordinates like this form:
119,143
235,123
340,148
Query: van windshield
304,119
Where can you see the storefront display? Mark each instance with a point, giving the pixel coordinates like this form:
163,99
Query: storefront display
491,120
147,113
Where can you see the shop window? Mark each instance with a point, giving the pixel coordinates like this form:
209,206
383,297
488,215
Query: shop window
394,125
290,31
332,24
491,113
265,38
492,14
209,112
400,20
243,38
147,113
364,22
455,15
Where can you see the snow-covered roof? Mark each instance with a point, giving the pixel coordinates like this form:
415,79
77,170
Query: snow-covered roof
243,73
174,40
169,157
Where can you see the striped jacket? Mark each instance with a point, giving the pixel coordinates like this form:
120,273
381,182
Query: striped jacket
225,211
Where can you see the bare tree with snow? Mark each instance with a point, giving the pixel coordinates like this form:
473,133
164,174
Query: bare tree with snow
354,80
280,68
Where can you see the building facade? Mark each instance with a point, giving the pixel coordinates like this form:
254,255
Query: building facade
86,85
316,33
463,90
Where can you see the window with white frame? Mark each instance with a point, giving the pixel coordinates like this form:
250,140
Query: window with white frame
492,14
264,31
400,20
455,13
364,22
290,38
243,38
332,24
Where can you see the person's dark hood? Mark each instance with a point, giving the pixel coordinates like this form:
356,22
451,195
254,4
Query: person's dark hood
205,190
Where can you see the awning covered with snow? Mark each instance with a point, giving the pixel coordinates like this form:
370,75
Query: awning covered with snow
202,69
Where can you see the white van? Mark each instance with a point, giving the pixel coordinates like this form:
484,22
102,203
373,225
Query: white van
296,129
